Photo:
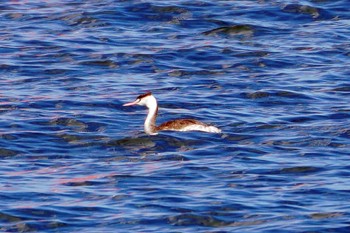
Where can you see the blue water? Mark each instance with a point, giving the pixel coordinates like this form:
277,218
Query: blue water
273,75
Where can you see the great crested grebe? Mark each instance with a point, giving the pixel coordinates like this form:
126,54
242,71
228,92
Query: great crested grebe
151,128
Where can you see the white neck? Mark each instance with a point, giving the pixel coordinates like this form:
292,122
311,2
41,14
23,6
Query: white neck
150,122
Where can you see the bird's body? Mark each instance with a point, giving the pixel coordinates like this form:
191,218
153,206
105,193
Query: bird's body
151,128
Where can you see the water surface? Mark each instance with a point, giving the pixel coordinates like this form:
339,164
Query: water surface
273,75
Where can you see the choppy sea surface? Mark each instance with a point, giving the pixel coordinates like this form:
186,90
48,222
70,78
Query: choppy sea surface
273,75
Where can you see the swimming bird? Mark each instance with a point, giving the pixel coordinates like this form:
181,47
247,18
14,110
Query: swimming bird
151,128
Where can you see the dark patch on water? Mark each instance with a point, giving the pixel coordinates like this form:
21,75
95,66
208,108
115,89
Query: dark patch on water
244,30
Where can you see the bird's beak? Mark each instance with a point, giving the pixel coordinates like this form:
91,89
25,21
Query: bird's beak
132,103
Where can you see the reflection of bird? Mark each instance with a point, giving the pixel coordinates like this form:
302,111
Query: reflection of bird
150,102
